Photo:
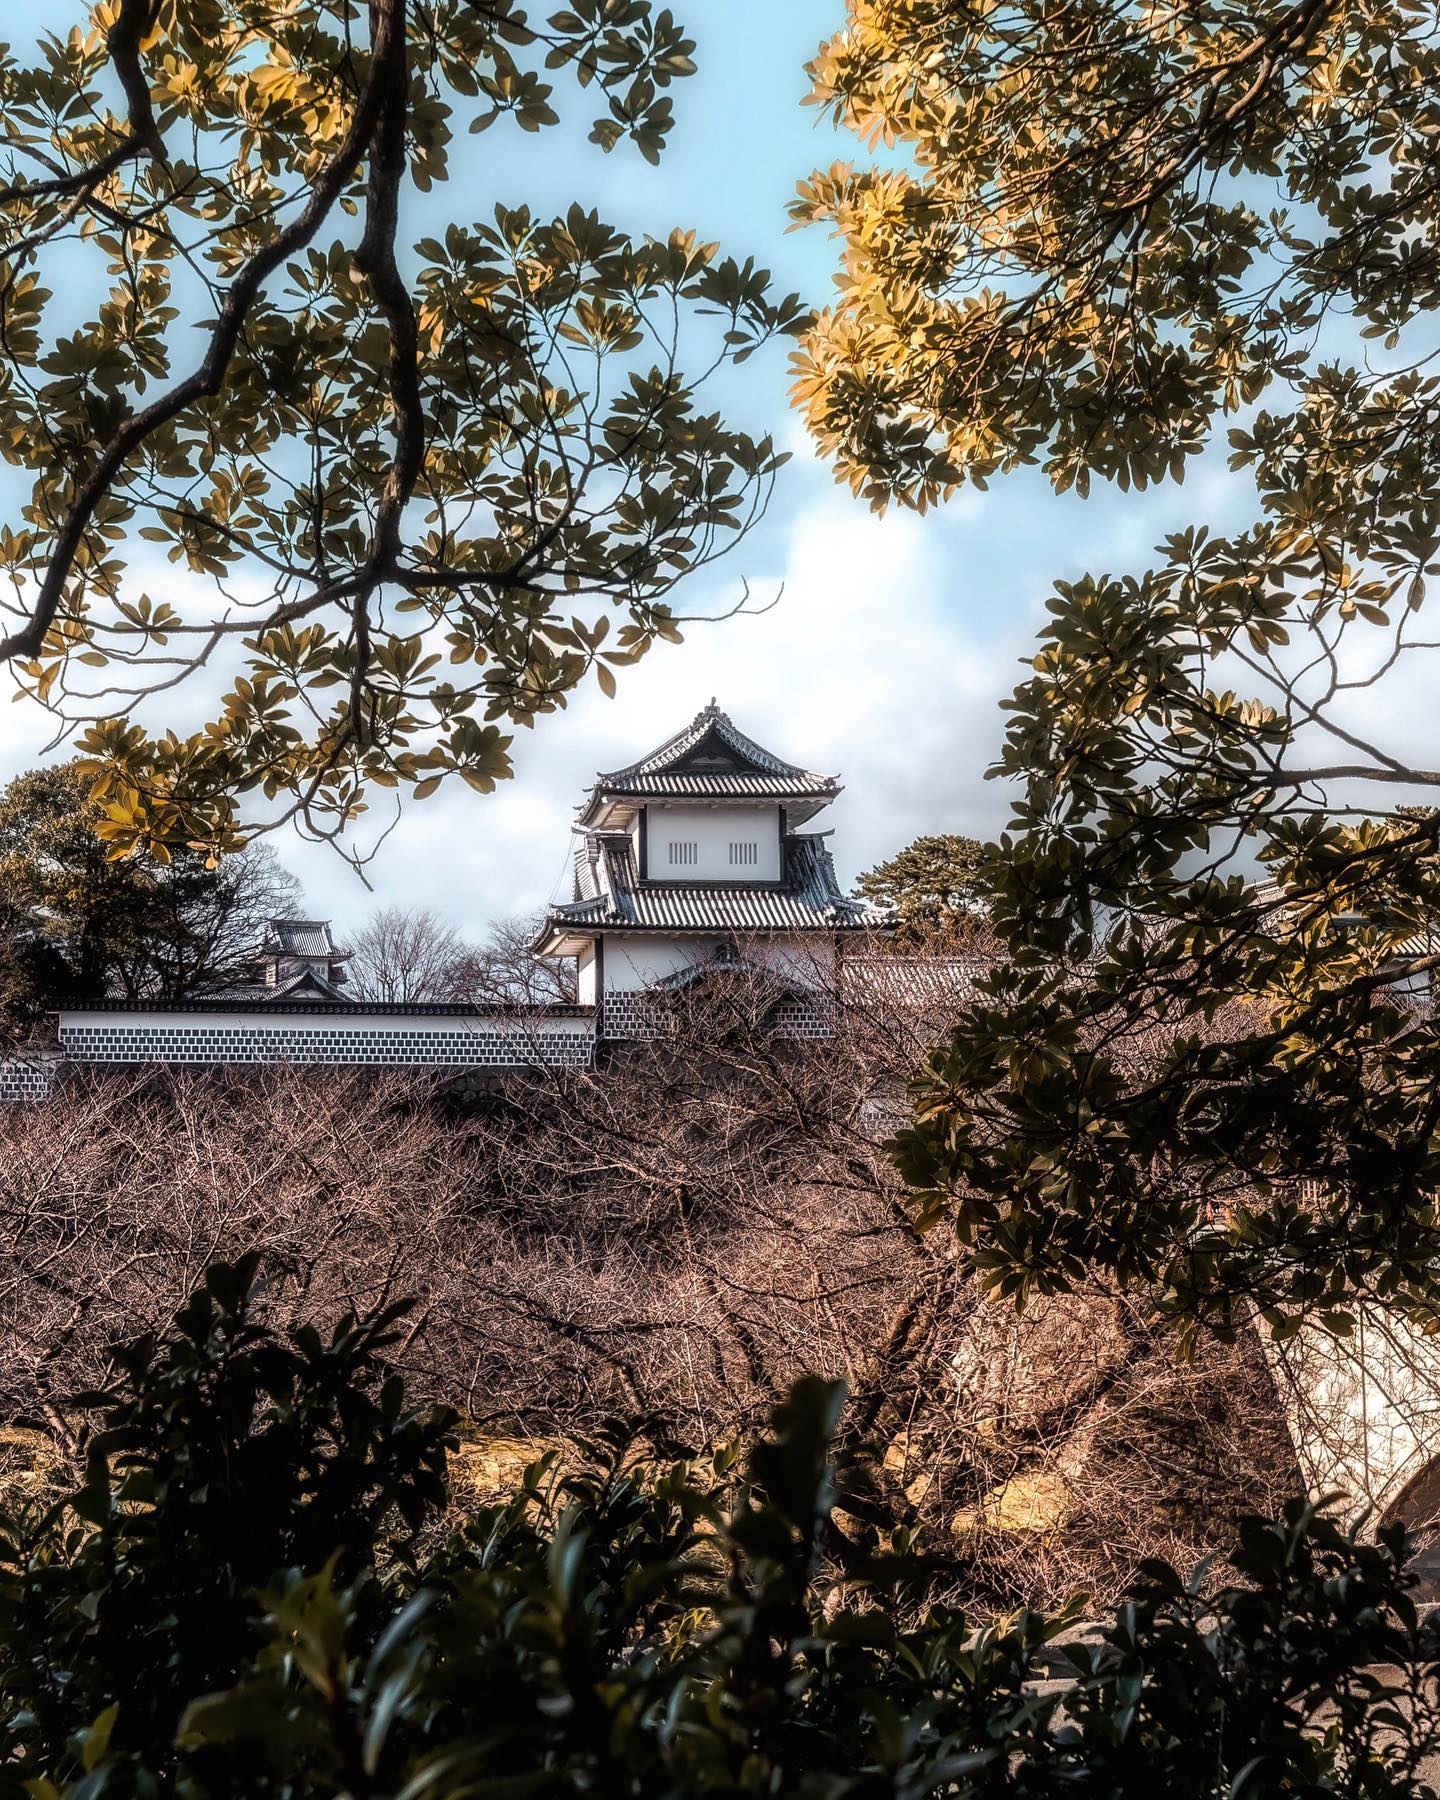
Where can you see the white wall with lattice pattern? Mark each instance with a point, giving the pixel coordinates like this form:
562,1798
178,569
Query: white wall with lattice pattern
359,1039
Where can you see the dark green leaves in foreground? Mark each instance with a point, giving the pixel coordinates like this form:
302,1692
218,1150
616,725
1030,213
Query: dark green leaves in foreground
258,1591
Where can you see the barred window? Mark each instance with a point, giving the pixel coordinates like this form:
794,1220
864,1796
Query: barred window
744,856
684,855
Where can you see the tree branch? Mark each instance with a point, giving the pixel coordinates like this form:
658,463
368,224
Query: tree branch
388,48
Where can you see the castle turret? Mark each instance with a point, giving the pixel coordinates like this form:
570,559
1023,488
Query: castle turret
299,956
687,853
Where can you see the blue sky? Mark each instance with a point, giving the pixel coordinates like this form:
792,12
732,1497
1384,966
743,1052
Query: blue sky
894,639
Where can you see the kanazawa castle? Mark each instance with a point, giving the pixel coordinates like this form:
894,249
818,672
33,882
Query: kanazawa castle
692,857
694,860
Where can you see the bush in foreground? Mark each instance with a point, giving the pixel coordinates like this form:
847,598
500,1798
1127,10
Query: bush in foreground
259,1588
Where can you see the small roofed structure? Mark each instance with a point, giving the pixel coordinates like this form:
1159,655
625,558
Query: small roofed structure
297,959
688,851
302,950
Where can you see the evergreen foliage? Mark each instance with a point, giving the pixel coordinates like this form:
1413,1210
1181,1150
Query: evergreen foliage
1109,231
412,489
256,1590
78,922
934,887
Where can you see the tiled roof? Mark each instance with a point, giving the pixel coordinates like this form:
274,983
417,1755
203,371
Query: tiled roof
717,784
914,981
1424,940
304,984
809,898
300,937
662,772
586,885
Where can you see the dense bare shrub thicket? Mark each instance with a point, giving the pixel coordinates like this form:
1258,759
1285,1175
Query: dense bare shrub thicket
682,1233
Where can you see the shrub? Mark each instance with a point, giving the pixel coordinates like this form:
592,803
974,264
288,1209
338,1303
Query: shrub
257,1589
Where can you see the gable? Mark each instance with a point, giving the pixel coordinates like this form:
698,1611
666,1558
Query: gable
709,760
308,984
713,754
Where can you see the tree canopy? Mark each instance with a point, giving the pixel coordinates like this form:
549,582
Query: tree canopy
933,887
392,493
1203,1065
1110,228
76,922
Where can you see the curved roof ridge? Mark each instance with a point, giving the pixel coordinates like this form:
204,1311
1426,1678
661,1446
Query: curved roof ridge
806,898
709,718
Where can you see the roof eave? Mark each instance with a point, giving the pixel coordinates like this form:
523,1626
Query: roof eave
562,940
804,807
451,1009
596,802
800,803
548,942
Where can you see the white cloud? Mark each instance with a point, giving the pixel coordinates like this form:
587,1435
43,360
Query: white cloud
861,668
881,661
884,661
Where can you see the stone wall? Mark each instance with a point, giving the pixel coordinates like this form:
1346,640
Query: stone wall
630,1015
1364,1410
453,1039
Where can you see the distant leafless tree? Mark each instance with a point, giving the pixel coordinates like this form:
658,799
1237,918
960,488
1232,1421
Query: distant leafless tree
504,971
116,1194
208,932
680,1231
409,955
405,955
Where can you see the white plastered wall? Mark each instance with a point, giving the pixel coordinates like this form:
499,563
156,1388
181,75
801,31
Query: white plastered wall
712,830
636,960
639,960
1364,1410
586,968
